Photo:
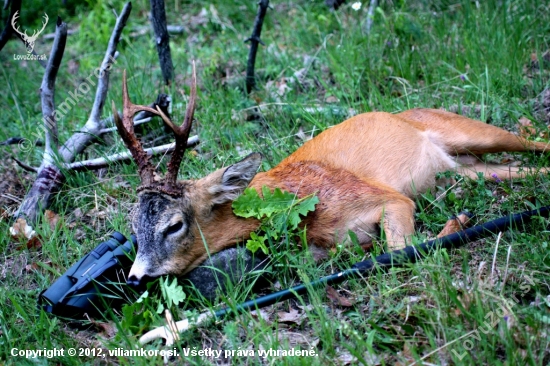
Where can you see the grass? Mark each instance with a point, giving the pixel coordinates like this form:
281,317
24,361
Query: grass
451,308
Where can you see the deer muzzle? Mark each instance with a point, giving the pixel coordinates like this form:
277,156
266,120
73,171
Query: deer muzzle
140,274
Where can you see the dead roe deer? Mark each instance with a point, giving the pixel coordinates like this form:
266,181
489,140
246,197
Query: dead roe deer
365,171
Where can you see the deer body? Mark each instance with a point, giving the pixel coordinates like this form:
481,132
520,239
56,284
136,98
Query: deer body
365,172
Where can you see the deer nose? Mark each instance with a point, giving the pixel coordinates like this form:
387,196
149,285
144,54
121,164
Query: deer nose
136,277
134,281
139,283
138,273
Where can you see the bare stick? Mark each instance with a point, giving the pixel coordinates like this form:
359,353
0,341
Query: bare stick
137,122
100,162
49,176
46,184
8,29
126,156
47,92
175,29
13,141
18,140
80,140
162,39
254,41
370,16
108,61
25,166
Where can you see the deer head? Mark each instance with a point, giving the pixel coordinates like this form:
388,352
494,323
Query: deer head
29,40
173,218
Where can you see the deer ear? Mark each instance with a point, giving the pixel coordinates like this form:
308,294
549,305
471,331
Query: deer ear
235,179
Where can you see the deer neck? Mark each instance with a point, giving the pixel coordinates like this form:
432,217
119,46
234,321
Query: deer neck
228,228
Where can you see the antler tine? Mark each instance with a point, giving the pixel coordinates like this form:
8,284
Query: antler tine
125,127
181,133
190,111
130,107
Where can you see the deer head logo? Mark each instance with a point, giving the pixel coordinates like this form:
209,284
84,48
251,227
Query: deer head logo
29,40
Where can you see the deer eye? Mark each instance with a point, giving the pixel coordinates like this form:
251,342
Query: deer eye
174,228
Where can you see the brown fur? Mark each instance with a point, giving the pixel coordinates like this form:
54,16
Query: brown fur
365,172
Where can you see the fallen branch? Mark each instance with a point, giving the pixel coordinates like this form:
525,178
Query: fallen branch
137,122
175,29
254,41
50,176
16,140
99,163
59,159
47,93
80,140
25,166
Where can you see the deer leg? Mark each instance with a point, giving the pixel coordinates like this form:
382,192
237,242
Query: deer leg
497,172
399,226
461,135
398,223
454,224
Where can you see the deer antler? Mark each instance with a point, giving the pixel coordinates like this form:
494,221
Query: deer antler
125,127
181,133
